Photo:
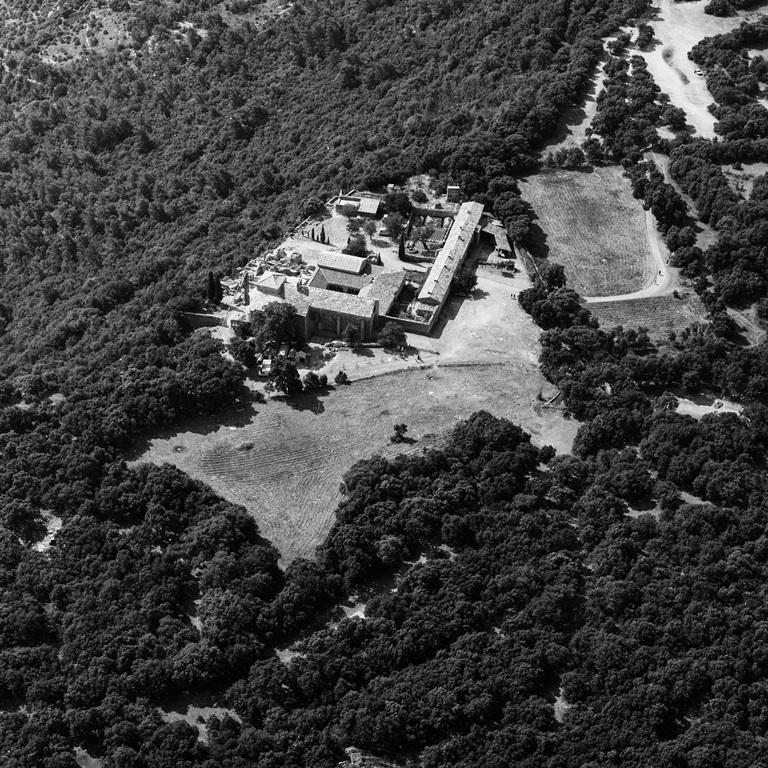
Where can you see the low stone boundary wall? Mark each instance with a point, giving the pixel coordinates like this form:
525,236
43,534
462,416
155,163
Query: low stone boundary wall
200,320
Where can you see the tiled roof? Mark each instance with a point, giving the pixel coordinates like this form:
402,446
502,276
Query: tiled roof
325,277
271,280
385,288
500,236
342,262
343,303
452,254
368,205
332,301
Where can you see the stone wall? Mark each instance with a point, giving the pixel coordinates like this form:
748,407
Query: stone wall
201,320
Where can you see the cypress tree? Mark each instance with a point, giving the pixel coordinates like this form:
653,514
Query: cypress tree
322,234
219,289
211,290
401,247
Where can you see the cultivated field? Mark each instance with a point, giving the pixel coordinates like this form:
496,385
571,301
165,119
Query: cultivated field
594,228
660,314
290,479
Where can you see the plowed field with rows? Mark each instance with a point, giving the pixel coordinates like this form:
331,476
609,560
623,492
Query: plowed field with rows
594,228
659,314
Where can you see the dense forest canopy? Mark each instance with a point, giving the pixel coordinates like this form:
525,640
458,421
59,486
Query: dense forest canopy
128,174
518,578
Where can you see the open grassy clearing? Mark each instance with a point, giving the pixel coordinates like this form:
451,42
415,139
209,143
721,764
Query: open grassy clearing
290,479
487,327
741,180
572,127
84,760
257,15
750,326
70,31
198,718
660,314
594,228
703,406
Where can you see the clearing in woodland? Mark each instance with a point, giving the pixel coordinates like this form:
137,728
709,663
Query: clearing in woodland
594,228
284,461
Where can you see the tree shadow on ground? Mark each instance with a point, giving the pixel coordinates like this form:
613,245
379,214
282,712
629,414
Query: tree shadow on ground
363,351
571,118
404,441
739,335
450,311
309,400
645,504
239,415
478,294
655,42
537,242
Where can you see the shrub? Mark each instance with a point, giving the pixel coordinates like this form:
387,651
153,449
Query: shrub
393,335
311,380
